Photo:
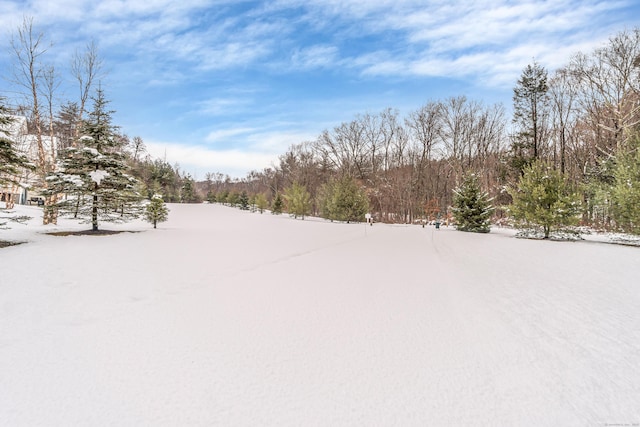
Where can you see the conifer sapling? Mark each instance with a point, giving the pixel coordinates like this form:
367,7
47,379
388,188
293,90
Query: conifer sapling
156,211
472,208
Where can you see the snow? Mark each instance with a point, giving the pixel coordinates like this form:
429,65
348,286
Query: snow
90,150
98,175
225,317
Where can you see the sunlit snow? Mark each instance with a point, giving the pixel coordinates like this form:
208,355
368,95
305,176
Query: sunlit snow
225,317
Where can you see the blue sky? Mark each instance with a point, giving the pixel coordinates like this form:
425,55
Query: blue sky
228,86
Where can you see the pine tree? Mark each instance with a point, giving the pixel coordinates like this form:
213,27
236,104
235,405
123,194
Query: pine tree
163,178
261,202
625,194
544,199
156,211
93,174
276,206
343,200
472,208
188,191
530,105
298,200
222,197
233,199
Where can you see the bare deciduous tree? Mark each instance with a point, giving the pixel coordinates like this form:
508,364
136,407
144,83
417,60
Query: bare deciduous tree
50,86
28,49
86,68
610,86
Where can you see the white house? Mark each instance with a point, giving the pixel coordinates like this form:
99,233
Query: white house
27,144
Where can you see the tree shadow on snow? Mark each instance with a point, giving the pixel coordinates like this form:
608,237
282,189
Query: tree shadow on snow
6,244
88,233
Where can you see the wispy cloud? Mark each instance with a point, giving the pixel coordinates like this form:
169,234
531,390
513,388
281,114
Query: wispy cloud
232,150
413,37
239,81
198,160
277,141
226,134
456,39
312,57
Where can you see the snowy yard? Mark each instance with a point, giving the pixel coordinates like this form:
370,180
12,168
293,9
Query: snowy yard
224,317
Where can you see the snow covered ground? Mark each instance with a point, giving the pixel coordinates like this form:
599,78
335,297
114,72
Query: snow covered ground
224,317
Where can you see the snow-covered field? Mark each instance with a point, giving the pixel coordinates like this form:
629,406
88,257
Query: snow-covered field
223,317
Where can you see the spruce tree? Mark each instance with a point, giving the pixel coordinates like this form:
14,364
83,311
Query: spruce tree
156,211
93,174
472,207
276,206
243,201
544,199
11,161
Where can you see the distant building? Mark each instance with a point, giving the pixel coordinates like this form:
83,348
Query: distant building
27,185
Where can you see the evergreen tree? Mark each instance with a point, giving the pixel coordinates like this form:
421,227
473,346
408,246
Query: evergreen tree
243,201
156,211
530,105
10,160
188,191
625,193
162,177
298,200
343,200
276,206
261,202
222,197
66,123
544,199
93,174
472,208
233,199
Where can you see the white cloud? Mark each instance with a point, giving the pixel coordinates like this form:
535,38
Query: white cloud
226,134
278,141
417,37
222,106
318,56
198,160
468,39
258,150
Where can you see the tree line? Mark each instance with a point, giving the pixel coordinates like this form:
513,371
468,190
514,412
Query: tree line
580,121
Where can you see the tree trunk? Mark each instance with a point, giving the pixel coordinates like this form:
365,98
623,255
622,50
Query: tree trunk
94,213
